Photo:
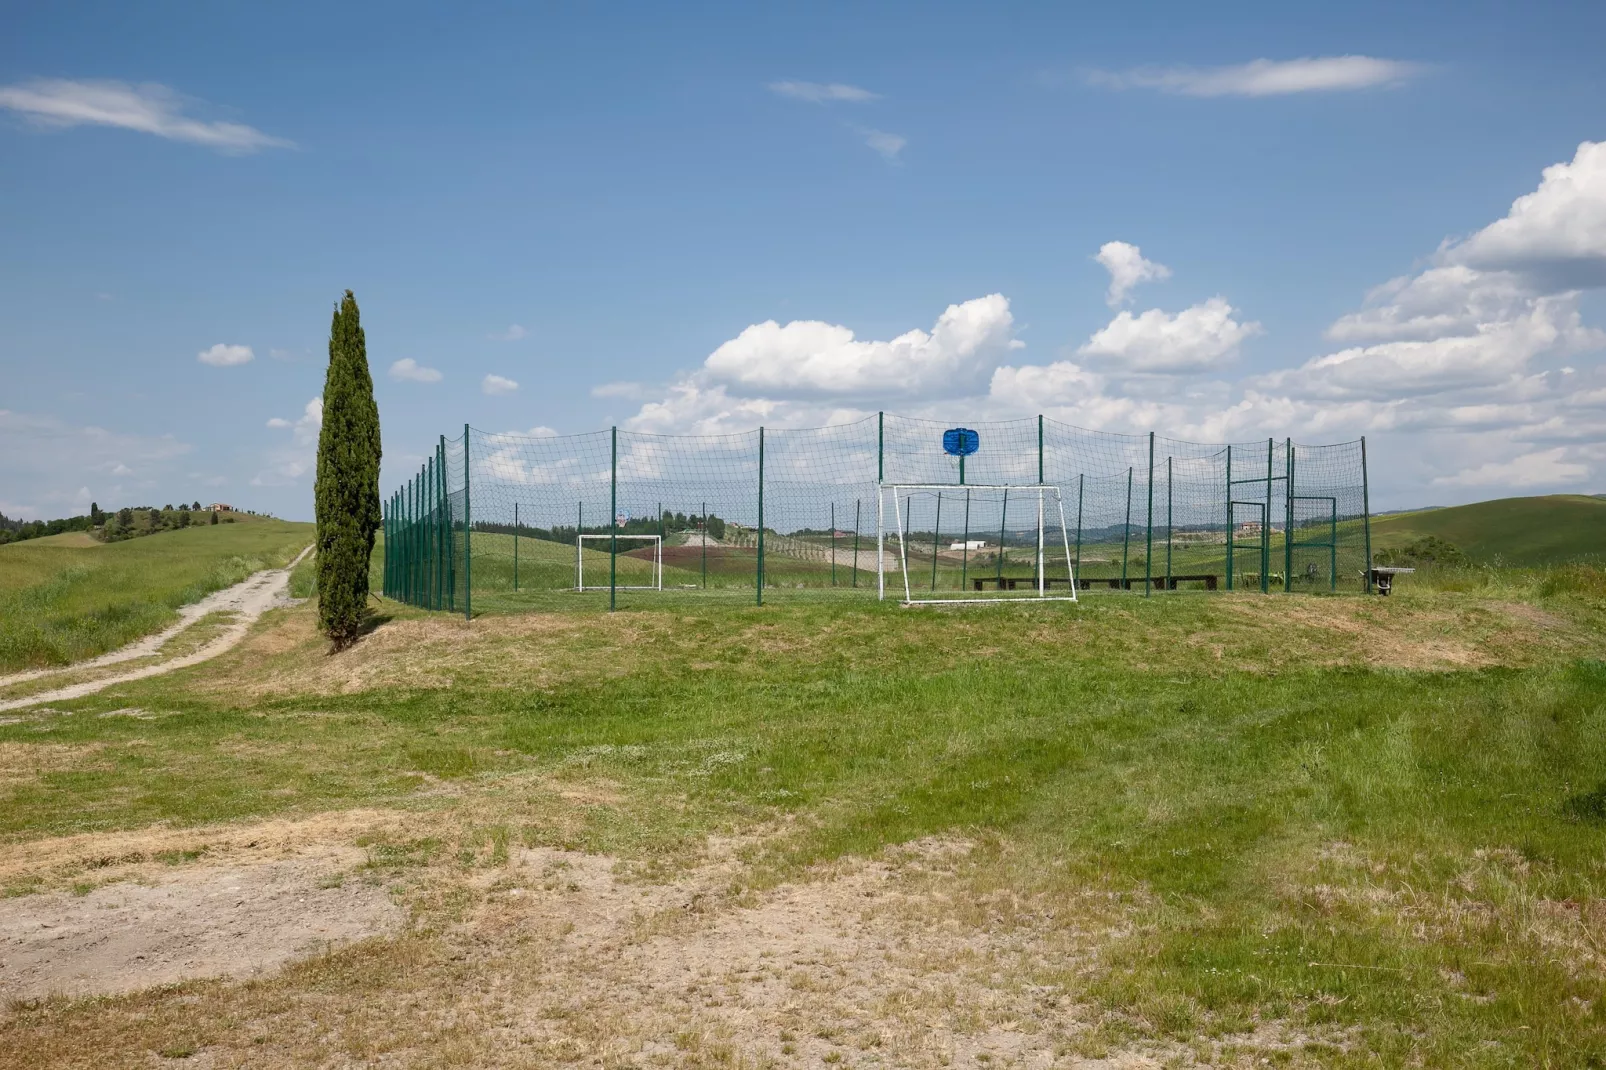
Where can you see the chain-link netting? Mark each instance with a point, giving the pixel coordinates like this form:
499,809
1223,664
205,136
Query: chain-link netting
509,521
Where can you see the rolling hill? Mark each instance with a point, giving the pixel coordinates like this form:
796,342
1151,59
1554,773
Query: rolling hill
1545,530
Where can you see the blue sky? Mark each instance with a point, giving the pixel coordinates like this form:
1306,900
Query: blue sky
606,204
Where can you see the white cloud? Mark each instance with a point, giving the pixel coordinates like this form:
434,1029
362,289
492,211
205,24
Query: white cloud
1556,235
512,334
822,92
1265,77
149,109
1199,338
49,461
409,370
888,145
1127,268
1538,469
226,356
497,384
811,358
287,464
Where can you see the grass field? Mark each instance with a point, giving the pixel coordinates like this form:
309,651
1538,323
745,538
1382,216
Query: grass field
1547,530
65,598
1224,828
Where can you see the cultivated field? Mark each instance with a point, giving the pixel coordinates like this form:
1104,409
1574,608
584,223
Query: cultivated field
1194,829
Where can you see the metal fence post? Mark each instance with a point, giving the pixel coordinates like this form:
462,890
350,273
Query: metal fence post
1002,520
1148,551
760,516
936,541
1366,514
1265,526
1126,529
1229,517
1081,480
1039,449
833,544
1288,521
515,546
1169,532
705,545
857,503
468,531
613,523
880,451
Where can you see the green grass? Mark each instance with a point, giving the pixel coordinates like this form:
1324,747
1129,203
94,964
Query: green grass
60,603
1386,853
1546,530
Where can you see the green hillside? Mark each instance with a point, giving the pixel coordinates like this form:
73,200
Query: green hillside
1545,530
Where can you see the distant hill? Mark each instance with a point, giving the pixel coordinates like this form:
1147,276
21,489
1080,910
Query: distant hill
1544,530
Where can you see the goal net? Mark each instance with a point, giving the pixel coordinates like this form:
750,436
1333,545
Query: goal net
638,564
987,543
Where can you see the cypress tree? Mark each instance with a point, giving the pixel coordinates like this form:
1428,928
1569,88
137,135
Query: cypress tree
348,480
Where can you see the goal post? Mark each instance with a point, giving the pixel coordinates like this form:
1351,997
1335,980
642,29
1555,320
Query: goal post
652,574
1008,522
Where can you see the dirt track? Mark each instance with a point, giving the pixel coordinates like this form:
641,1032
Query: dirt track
247,600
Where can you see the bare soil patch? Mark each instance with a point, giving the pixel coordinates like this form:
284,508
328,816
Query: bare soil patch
206,921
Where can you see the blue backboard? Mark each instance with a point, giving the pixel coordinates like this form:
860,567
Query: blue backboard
960,442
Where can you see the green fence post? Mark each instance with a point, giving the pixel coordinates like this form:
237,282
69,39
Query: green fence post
964,547
936,541
1265,526
579,547
1288,520
760,516
1126,529
880,450
705,546
833,544
448,543
1366,514
432,531
613,524
441,531
1169,532
1040,448
1148,551
1229,517
1002,520
1081,479
468,533
856,504
515,546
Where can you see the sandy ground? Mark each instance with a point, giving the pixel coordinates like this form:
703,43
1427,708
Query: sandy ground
247,600
235,921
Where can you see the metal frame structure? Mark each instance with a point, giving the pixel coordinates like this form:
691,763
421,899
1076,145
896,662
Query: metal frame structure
1041,590
613,539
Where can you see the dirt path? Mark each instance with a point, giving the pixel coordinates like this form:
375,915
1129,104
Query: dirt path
247,600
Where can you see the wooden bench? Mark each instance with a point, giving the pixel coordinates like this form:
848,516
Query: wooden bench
1160,582
1014,583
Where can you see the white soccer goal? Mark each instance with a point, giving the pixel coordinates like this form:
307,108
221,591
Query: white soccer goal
1039,533
630,579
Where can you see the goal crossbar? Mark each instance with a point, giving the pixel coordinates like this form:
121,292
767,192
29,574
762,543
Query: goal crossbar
1041,589
657,574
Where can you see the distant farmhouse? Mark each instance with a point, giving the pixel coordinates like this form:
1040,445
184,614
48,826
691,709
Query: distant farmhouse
219,507
973,544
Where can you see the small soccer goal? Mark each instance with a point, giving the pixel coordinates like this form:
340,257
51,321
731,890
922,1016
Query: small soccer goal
630,570
957,543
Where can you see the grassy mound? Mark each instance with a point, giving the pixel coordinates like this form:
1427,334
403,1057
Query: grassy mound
1548,530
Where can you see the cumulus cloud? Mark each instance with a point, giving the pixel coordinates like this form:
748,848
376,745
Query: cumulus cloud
1127,268
1556,235
286,464
512,334
1265,77
811,358
498,384
1538,469
1201,338
226,356
149,109
409,370
822,92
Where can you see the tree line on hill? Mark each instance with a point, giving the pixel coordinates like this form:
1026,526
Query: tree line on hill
670,523
129,522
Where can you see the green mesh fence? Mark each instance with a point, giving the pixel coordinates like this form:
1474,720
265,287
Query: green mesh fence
502,522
